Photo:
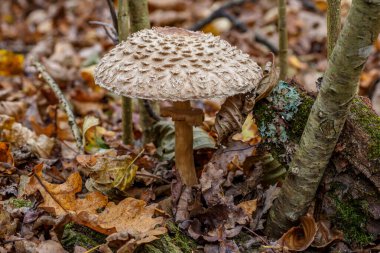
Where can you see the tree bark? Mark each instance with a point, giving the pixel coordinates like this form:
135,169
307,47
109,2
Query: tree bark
140,20
283,39
126,103
333,24
327,117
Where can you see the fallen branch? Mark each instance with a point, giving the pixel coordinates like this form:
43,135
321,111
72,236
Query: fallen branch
63,101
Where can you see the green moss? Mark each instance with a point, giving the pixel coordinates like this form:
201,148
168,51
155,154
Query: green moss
370,122
175,241
298,123
75,234
351,219
18,203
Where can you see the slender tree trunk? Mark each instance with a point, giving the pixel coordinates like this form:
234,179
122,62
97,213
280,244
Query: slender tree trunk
333,24
140,20
123,30
283,39
327,117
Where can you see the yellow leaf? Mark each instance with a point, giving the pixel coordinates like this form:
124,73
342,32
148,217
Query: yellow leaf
218,26
107,172
93,134
321,5
88,76
296,63
10,63
249,132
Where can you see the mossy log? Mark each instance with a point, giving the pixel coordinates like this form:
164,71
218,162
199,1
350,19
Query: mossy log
349,194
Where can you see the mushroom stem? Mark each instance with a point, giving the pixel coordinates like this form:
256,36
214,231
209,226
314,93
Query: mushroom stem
184,158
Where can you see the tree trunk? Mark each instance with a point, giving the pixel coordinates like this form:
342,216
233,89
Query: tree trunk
327,117
126,103
140,20
333,24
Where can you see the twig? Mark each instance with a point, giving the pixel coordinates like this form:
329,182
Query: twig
140,174
221,12
94,248
259,38
113,15
150,111
257,235
13,240
109,29
63,101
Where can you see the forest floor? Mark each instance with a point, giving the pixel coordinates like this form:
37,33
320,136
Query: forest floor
118,197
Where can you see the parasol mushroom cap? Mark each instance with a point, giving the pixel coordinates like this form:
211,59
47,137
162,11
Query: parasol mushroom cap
177,65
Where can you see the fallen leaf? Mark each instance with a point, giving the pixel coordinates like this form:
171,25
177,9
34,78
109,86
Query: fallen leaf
14,109
108,172
49,246
218,26
93,135
321,5
8,224
248,206
165,133
296,63
249,132
88,76
325,235
299,238
61,199
18,135
10,63
6,159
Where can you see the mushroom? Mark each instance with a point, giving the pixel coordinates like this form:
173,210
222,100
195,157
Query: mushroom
178,65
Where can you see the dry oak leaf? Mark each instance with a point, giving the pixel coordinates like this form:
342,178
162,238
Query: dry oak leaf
299,238
131,216
60,199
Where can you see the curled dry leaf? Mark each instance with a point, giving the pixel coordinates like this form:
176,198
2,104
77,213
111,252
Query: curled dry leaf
299,238
18,135
93,133
325,235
